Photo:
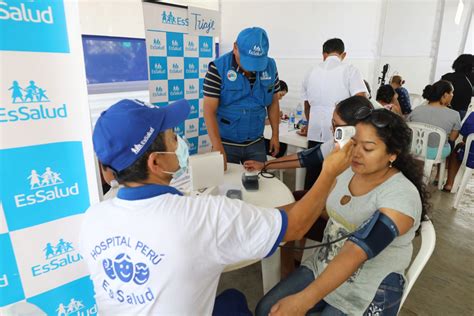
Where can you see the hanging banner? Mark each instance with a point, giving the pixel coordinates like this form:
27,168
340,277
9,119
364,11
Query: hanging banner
48,176
178,61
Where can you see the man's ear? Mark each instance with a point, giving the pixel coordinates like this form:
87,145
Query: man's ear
154,163
325,55
343,55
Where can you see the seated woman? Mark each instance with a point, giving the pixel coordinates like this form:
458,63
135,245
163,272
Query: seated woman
454,160
388,98
364,274
437,113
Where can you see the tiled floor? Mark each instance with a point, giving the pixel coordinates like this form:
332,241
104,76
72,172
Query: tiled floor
446,285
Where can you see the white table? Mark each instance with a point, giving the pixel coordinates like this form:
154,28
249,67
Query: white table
293,139
271,193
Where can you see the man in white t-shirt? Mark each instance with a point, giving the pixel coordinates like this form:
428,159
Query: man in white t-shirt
324,86
151,250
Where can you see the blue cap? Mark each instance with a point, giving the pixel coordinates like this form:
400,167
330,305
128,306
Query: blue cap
124,131
253,49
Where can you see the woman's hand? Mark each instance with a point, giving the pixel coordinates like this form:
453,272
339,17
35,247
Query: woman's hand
339,159
252,165
293,305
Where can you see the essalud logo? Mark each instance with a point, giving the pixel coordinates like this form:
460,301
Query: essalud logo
176,91
47,186
156,44
191,46
256,51
191,89
25,14
159,92
33,104
75,307
158,69
57,256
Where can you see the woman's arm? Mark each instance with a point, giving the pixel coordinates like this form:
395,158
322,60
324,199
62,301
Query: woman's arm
453,135
344,264
285,162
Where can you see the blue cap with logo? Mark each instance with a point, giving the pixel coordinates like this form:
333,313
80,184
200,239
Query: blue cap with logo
124,131
253,48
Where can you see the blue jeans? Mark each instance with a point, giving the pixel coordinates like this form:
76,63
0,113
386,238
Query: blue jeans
239,154
386,301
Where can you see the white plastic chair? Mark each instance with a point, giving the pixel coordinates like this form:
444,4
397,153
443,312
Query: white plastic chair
464,174
419,148
428,242
470,108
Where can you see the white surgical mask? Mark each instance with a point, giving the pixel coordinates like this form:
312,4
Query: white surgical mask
182,153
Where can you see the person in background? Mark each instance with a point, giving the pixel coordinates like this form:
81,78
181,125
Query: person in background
151,250
283,147
454,160
403,96
363,274
462,80
387,97
240,88
437,113
324,86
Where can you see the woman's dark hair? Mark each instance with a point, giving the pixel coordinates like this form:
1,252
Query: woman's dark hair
283,86
385,93
348,107
434,92
138,171
333,45
397,137
464,63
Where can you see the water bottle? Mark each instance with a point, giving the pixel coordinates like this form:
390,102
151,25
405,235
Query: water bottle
299,112
291,121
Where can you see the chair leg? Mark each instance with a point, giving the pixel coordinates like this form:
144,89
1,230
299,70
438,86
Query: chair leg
458,178
442,172
427,170
465,179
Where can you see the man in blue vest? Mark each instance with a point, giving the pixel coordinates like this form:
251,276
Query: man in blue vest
240,88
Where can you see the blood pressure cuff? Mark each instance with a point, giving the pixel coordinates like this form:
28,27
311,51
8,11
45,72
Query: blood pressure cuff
311,157
375,234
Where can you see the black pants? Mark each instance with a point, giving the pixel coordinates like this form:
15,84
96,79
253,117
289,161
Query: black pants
312,173
282,151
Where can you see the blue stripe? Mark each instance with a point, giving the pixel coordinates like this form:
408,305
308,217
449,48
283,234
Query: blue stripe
284,226
145,192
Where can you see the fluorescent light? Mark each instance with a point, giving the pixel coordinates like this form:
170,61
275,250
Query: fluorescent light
457,18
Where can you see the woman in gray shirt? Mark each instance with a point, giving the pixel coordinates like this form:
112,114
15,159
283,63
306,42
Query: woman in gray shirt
339,278
437,113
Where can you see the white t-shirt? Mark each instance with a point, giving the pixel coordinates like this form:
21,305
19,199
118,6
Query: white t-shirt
324,86
151,251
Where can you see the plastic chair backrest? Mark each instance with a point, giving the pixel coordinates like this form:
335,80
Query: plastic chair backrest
419,140
469,110
467,148
428,242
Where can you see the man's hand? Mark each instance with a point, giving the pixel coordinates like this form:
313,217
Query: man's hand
253,165
293,305
274,146
339,160
304,130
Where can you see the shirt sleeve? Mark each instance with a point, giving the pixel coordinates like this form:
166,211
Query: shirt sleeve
457,122
356,83
212,82
468,126
389,197
304,86
276,83
246,232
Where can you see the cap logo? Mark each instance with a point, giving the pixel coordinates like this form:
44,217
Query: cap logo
138,147
256,51
231,75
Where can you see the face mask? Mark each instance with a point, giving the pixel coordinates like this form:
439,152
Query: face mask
182,153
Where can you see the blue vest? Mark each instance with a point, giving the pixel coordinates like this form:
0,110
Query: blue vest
242,110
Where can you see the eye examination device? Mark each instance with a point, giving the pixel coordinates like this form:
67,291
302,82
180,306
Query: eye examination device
342,134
